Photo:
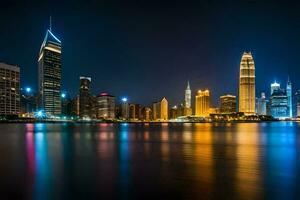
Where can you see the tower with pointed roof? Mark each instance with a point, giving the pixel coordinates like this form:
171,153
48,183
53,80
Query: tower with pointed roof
187,96
49,74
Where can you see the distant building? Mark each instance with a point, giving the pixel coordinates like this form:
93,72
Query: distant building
228,104
160,110
274,86
49,74
85,97
134,111
9,90
289,96
296,104
188,96
124,109
146,114
66,105
247,85
105,106
279,104
28,102
202,103
261,107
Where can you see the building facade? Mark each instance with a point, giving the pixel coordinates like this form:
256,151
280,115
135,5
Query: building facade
105,106
160,110
289,96
9,90
261,107
247,85
279,104
49,75
188,96
85,107
228,104
202,103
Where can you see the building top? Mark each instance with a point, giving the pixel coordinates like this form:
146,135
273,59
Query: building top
9,67
50,37
227,95
83,77
104,94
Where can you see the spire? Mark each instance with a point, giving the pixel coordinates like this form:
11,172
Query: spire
188,85
50,24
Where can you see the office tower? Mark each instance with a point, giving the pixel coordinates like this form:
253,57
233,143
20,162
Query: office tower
75,106
105,106
160,110
146,114
274,86
9,90
134,111
188,95
296,104
49,74
202,103
279,104
164,109
124,111
289,96
85,97
247,85
227,104
261,108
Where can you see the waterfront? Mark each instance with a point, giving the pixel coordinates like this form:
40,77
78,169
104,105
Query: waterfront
156,160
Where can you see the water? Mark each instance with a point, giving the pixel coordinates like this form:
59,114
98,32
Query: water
138,161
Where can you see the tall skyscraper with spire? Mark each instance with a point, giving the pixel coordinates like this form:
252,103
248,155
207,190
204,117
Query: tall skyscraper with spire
49,74
289,97
188,96
247,85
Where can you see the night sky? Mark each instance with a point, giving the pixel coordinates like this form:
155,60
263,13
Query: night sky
149,50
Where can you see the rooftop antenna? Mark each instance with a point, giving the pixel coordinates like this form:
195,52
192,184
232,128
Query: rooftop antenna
50,25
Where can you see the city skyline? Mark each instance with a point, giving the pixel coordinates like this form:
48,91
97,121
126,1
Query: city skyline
137,52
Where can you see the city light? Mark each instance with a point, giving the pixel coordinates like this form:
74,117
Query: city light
124,99
63,95
28,89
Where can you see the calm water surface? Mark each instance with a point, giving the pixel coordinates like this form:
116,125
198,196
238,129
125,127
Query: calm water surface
139,161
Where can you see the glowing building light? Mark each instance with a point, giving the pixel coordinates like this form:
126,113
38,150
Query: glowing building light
63,95
124,99
28,89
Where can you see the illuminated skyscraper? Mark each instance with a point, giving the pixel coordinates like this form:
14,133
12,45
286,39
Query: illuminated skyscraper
279,104
289,96
105,106
274,86
227,103
247,85
9,90
202,103
261,108
49,64
160,110
85,106
187,97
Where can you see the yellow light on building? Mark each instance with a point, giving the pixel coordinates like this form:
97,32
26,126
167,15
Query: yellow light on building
202,103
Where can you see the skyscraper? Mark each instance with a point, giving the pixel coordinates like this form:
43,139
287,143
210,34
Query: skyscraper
247,85
160,110
228,103
279,104
85,97
289,97
262,105
9,90
274,86
49,64
202,103
105,106
187,97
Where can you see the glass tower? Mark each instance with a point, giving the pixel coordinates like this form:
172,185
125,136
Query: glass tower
247,85
289,96
49,66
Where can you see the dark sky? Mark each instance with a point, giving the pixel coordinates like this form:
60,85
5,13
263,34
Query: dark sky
148,49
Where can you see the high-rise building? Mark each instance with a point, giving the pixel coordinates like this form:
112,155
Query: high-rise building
9,90
146,114
296,104
261,108
160,110
279,104
49,64
105,106
247,85
289,96
202,103
124,109
85,97
274,86
188,96
228,103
